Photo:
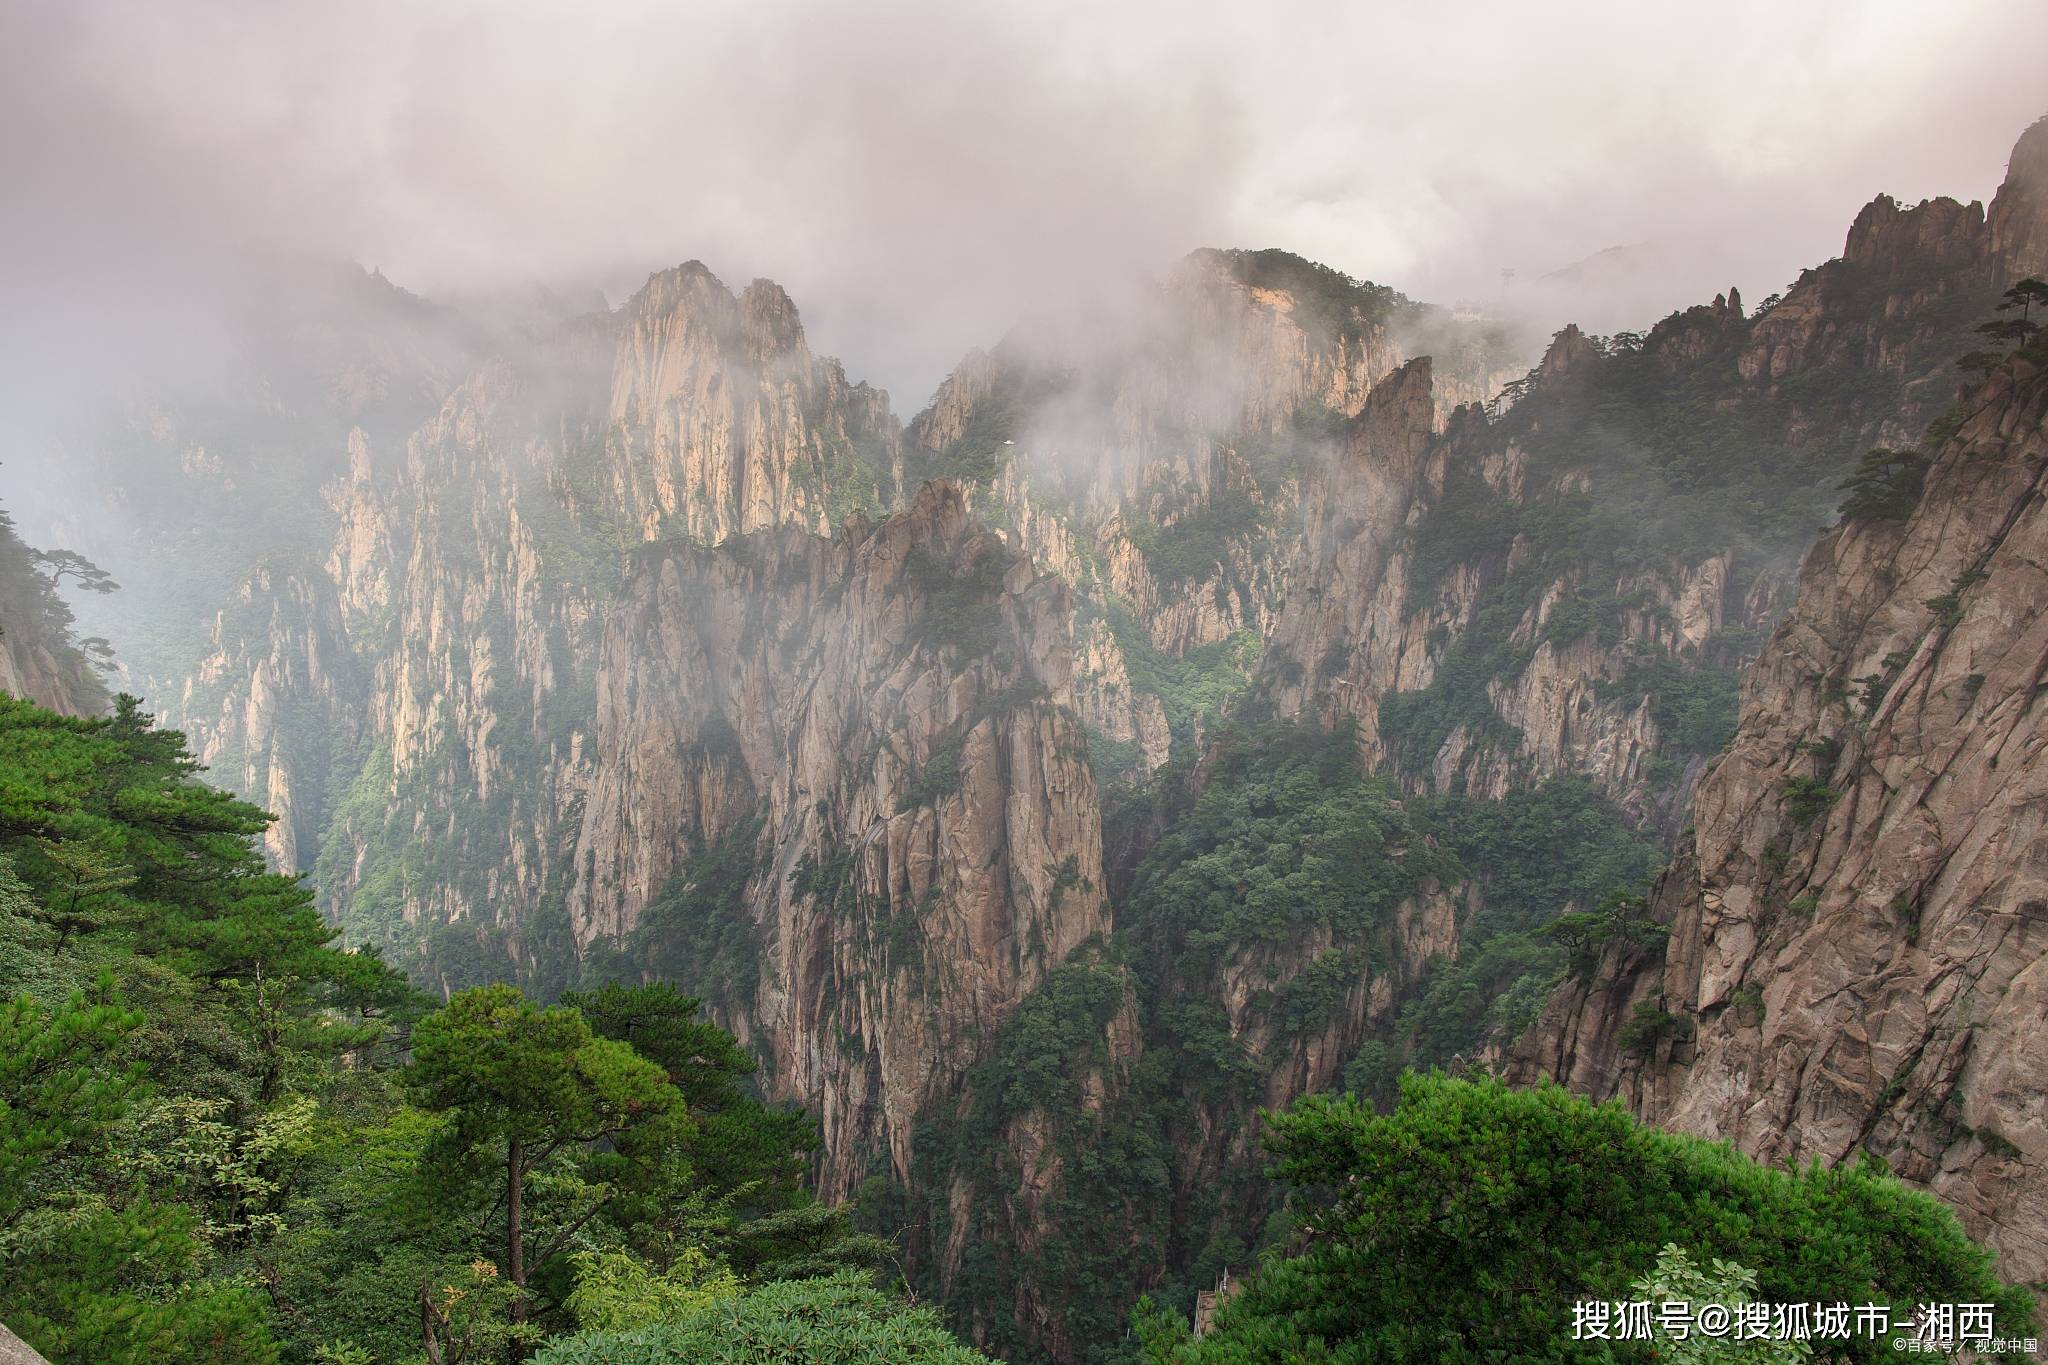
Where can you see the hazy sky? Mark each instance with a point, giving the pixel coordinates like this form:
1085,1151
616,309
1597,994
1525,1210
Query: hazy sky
916,173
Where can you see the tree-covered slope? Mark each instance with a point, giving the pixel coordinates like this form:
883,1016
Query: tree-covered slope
225,1140
1470,1223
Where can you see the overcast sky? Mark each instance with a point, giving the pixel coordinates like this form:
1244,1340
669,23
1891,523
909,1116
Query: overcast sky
918,173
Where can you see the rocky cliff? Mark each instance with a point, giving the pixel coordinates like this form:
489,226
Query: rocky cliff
838,783
1155,457
1851,950
872,739
419,688
1570,586
275,700
2018,221
1492,609
721,420
41,657
192,479
1538,607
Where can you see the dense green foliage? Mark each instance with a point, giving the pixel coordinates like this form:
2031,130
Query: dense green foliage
1287,832
1676,1279
1048,1057
836,1321
1885,485
1290,839
164,985
1196,545
224,1140
1540,856
697,930
1464,1225
1694,704
963,607
937,779
1195,688
1279,881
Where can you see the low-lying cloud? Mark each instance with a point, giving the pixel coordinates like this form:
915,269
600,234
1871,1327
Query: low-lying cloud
919,173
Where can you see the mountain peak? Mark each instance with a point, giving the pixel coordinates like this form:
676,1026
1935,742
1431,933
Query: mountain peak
769,325
1568,350
1336,299
2028,165
2019,213
676,287
1938,233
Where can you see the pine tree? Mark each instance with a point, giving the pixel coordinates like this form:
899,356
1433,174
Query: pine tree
523,1085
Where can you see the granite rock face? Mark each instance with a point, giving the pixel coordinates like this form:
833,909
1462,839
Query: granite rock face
1858,924
2018,221
15,1351
721,419
1373,610
278,687
885,718
1157,459
1372,613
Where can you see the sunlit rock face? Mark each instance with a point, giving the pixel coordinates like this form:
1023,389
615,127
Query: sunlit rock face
2018,221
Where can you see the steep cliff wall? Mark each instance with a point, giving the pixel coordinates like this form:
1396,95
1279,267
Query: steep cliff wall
190,480
431,670
721,421
275,703
41,657
1571,586
875,730
1534,608
480,633
1155,458
2018,221
1857,956
1493,607
620,667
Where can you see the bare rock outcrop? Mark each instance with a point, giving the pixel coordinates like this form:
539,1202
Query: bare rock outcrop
886,718
2018,221
722,421
15,1351
1857,953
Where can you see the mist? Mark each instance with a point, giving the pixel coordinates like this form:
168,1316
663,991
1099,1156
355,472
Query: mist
918,175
